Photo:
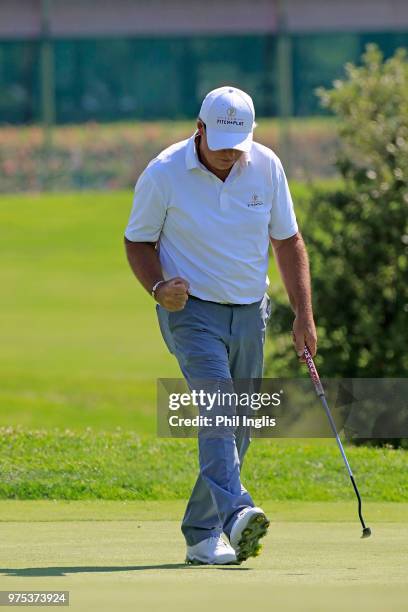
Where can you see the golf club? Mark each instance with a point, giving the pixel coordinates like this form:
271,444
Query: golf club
320,392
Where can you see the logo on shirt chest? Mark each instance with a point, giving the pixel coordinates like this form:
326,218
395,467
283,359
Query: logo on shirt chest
255,201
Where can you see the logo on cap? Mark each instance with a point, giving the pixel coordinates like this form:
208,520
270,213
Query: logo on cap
231,112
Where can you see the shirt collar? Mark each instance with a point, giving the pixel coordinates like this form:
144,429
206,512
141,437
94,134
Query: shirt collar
192,160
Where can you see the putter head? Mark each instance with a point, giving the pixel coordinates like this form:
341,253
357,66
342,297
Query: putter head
366,532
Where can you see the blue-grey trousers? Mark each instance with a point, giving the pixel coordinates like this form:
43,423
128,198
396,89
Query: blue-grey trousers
217,342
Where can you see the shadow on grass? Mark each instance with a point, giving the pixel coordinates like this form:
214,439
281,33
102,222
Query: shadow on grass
25,572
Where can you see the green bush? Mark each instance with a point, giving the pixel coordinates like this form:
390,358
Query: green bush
357,234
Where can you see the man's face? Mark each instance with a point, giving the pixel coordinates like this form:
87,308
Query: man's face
222,159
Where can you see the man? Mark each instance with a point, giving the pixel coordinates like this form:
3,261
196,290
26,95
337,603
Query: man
204,212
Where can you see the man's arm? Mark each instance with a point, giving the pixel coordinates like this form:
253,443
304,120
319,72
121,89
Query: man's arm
145,264
293,263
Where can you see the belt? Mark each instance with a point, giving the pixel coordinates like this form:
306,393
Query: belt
194,297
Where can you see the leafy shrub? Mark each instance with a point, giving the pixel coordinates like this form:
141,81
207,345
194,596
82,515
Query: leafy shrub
357,234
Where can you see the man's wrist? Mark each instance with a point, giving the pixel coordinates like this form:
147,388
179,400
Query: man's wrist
304,312
155,287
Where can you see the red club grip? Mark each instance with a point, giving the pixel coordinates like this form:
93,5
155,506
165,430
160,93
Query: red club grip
313,372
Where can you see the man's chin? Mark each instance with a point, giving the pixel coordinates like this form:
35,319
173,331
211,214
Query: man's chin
224,165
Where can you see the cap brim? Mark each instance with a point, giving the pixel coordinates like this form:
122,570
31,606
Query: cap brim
228,140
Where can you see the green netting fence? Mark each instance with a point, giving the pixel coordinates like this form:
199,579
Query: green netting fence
109,79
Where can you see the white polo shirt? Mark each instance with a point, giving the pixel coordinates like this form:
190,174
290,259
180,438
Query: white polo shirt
214,234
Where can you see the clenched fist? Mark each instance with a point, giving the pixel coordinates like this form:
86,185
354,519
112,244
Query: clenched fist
173,294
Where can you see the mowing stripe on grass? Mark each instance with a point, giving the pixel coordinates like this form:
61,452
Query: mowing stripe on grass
12,510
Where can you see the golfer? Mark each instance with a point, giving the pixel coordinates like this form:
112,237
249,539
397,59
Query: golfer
204,213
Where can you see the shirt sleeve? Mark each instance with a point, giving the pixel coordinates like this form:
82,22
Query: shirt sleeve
282,222
148,212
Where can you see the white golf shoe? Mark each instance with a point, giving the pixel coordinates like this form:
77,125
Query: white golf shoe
250,526
211,551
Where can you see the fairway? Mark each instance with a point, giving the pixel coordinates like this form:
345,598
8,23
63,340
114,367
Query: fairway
80,341
130,557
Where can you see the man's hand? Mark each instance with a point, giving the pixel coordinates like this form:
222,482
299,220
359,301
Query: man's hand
304,332
173,294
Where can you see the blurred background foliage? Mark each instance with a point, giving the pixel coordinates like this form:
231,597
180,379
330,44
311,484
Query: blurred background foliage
111,156
357,232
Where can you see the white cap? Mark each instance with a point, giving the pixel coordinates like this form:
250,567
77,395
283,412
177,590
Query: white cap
229,117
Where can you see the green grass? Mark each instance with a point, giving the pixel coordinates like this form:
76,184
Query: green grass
81,348
283,511
80,342
135,562
80,345
122,466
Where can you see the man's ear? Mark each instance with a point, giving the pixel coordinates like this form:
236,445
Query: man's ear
200,127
